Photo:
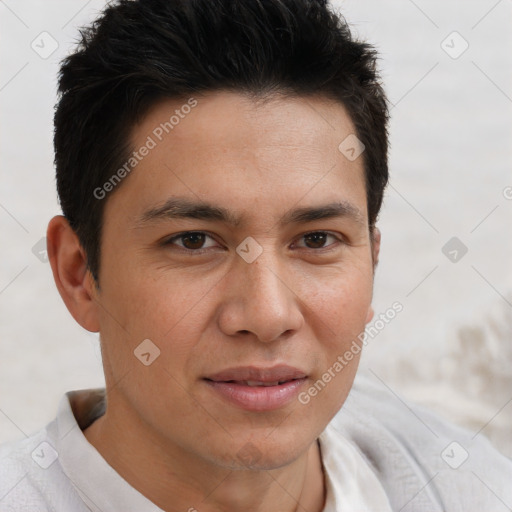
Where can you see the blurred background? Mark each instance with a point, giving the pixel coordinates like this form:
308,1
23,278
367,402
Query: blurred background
446,222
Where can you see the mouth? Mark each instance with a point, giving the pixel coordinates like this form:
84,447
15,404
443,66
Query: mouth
257,389
253,383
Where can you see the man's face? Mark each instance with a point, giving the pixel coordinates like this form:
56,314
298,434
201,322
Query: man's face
282,304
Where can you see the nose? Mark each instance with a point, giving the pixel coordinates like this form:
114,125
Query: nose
259,300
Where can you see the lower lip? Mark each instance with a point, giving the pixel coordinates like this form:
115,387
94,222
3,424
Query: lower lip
258,398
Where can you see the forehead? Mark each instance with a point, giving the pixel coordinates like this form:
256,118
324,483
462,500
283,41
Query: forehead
236,121
225,148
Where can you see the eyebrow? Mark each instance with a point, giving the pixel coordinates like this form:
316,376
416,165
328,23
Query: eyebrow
180,208
183,208
332,210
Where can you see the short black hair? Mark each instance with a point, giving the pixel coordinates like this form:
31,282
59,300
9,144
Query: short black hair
141,51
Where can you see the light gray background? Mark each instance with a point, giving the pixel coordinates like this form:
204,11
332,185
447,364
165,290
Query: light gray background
450,162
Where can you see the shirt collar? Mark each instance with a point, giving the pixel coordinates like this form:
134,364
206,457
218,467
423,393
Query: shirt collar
349,480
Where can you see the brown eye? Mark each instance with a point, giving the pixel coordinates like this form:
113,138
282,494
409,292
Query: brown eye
193,240
315,240
319,240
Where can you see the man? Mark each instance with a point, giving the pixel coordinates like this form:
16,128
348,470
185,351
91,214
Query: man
220,166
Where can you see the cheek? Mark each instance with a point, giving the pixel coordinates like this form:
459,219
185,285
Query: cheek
170,309
340,301
338,313
154,303
338,308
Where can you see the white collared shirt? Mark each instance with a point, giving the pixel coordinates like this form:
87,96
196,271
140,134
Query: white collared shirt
379,454
57,469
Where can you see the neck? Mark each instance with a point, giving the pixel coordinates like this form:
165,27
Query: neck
175,480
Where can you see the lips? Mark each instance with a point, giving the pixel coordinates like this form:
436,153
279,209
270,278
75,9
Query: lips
262,376
259,383
257,389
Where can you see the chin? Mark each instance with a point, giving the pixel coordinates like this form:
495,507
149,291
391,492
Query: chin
264,454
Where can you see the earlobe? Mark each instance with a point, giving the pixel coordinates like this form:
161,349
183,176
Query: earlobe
72,277
375,243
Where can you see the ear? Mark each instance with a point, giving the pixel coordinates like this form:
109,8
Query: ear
376,237
72,277
375,246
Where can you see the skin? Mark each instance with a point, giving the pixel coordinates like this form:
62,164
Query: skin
301,302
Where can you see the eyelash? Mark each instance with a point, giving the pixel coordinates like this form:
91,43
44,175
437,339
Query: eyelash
169,241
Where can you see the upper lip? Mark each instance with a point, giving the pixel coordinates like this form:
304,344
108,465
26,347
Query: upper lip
253,373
